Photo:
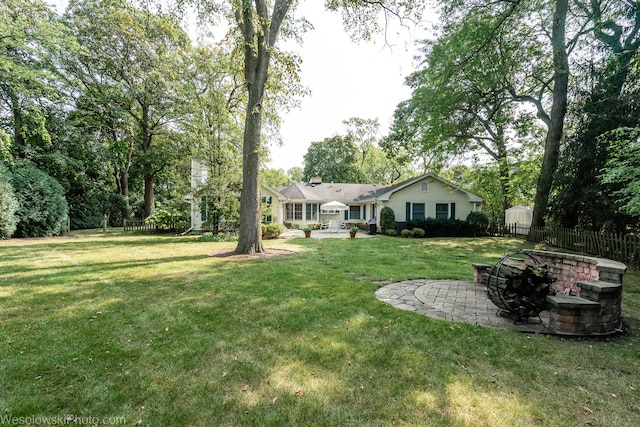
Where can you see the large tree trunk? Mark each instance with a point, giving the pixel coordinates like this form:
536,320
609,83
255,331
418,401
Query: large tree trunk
149,196
558,111
250,238
257,54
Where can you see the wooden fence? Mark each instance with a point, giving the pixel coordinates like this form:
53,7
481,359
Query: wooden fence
624,248
137,225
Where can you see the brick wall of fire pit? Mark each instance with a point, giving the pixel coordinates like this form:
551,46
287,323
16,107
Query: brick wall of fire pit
570,269
589,293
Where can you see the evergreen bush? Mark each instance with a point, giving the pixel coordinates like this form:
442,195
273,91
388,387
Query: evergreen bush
418,232
8,205
43,210
387,219
443,227
271,231
479,221
407,233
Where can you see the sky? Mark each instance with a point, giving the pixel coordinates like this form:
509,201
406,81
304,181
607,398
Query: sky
346,80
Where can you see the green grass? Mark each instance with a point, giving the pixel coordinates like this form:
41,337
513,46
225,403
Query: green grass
154,330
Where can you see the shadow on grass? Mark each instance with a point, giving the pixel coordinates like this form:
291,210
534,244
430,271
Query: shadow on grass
179,338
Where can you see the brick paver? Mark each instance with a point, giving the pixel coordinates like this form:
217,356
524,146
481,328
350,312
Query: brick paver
456,301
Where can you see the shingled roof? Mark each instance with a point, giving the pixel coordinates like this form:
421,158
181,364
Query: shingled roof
324,192
350,193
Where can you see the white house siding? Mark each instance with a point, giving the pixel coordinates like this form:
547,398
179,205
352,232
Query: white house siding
277,207
438,193
198,179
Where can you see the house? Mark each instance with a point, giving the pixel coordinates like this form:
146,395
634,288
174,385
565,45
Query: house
425,196
299,204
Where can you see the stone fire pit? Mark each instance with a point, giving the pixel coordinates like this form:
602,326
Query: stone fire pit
584,299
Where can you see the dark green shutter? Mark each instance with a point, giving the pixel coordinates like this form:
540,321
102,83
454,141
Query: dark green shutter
408,211
203,208
453,211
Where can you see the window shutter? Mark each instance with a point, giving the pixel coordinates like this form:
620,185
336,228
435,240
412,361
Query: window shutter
408,211
453,211
346,214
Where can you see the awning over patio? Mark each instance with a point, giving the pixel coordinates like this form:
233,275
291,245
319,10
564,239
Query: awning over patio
334,206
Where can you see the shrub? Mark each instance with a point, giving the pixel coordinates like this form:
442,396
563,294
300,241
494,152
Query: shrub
169,219
407,233
85,210
444,227
117,208
231,236
42,208
387,219
271,231
479,221
391,232
8,206
418,232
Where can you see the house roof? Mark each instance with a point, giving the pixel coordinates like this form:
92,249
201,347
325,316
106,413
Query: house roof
349,193
277,193
341,192
386,192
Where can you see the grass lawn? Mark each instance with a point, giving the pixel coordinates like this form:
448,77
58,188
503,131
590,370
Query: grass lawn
132,329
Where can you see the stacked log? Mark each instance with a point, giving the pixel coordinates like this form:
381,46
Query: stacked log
519,288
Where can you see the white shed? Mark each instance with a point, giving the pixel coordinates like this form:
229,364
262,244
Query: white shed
519,217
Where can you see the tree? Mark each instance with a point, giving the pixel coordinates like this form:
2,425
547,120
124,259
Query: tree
8,205
606,98
28,80
379,168
275,177
335,159
623,168
461,104
130,75
260,26
364,133
296,174
42,208
555,120
212,126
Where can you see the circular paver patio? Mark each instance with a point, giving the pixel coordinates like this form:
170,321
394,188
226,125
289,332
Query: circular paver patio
453,300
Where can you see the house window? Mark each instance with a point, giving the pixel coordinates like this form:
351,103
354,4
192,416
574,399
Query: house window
312,212
442,211
418,211
293,211
354,212
425,187
267,209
